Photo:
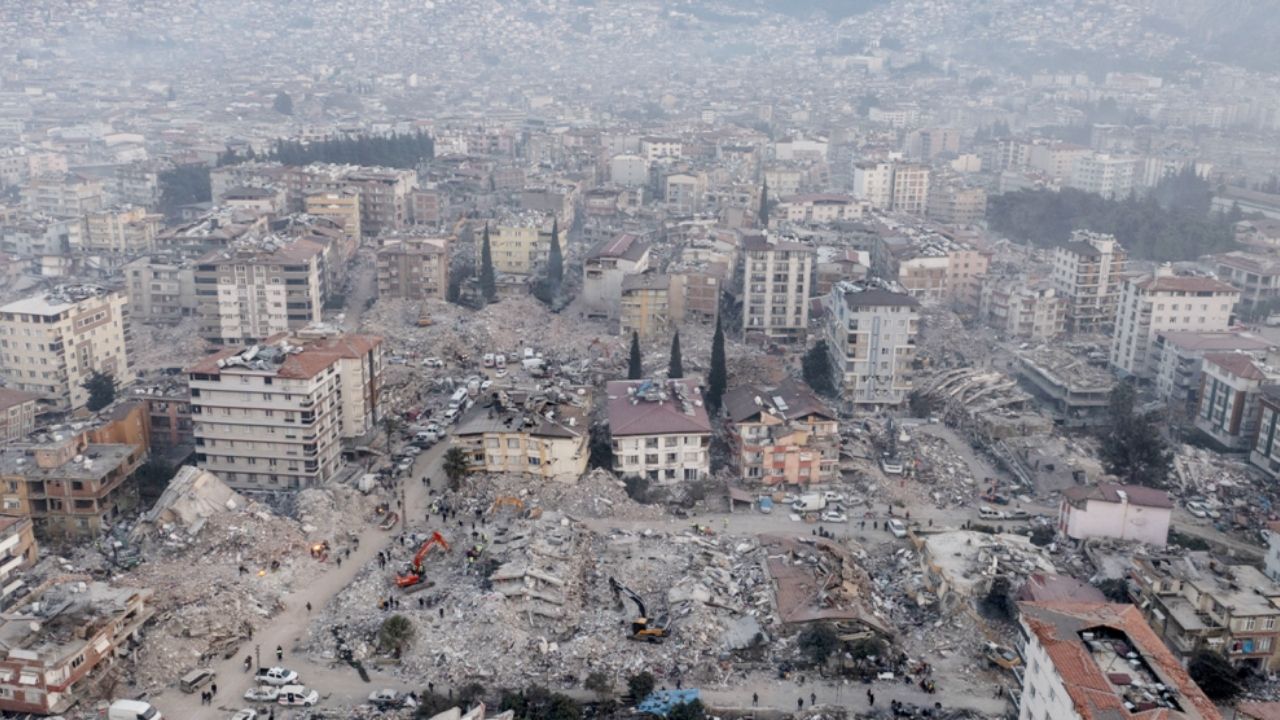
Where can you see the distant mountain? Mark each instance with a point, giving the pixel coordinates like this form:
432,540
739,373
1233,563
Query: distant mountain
1241,32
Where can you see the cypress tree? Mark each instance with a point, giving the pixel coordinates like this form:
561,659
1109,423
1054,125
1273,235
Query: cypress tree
718,376
635,368
555,262
488,285
675,368
764,205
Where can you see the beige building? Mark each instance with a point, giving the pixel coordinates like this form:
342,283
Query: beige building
776,288
17,414
1087,272
341,206
911,189
249,292
52,342
120,230
1020,309
62,195
271,417
1163,302
519,247
871,330
528,434
604,269
954,205
414,268
782,437
161,290
873,182
820,208
660,430
652,304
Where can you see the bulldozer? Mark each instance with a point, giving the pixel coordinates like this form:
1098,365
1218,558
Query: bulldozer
507,500
424,316
414,575
642,628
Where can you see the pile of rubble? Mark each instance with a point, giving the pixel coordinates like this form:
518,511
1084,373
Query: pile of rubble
157,347
599,494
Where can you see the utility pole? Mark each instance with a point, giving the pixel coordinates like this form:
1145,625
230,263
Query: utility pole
257,655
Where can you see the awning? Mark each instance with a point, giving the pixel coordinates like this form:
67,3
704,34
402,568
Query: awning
737,494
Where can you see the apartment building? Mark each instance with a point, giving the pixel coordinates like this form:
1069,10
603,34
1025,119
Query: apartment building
1196,602
1072,652
519,246
682,193
18,552
162,289
414,268
384,197
1057,160
628,170
69,486
119,230
1231,394
1256,276
1122,512
271,417
426,207
955,205
871,332
1111,176
167,406
59,635
253,291
340,206
911,189
1162,302
1180,361
817,208
536,435
605,267
775,292
783,437
931,266
660,430
873,182
1265,450
1018,308
17,414
53,341
657,148
652,304
62,195
1087,272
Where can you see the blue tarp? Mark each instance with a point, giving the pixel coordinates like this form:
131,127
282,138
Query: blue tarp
660,702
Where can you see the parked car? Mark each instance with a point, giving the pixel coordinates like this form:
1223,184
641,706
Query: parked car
196,679
245,714
276,676
765,504
387,699
835,516
898,529
986,512
1198,509
262,693
132,710
833,497
297,695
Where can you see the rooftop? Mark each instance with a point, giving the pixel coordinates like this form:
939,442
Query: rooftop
788,401
874,294
94,462
10,397
656,407
1224,340
1183,283
627,246
547,413
288,357
55,622
1112,493
56,301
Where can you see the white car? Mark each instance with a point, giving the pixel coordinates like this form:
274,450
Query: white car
263,693
898,529
385,698
986,512
276,676
834,516
833,497
297,695
245,714
1198,509
411,450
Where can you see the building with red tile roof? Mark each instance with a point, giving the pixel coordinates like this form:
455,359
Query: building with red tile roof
660,429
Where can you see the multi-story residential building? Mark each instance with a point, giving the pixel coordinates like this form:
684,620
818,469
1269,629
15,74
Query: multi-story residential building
17,552
783,437
1123,512
161,289
871,332
1073,387
1256,276
1057,160
657,148
652,304
682,193
252,291
17,414
911,189
58,634
519,246
414,268
873,182
62,195
271,417
932,266
1111,176
119,230
1196,602
605,267
384,197
530,434
628,170
1231,395
167,404
426,207
138,183
69,487
1021,309
702,284
775,288
1073,652
271,201
341,206
53,341
1087,271
1265,451
957,205
820,208
660,430
1163,301
1180,359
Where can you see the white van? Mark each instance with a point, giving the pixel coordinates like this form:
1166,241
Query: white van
132,710
459,395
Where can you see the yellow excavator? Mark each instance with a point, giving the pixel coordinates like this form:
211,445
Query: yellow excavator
641,627
507,500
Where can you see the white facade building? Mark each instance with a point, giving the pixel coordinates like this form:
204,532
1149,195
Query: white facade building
1124,512
1087,272
660,430
1153,304
776,288
871,334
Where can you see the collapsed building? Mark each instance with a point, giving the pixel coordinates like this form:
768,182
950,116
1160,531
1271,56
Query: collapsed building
533,433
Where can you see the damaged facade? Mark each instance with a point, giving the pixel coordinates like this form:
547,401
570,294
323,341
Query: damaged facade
785,436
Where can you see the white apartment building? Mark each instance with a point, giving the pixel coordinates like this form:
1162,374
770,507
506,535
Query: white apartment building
1110,176
656,148
873,182
271,417
161,290
252,292
1163,302
776,288
911,189
1087,272
604,268
52,342
628,170
683,192
62,195
660,430
819,208
1021,309
871,334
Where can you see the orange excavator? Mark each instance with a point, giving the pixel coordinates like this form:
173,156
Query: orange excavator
413,575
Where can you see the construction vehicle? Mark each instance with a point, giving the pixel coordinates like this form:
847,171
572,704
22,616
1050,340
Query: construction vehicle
413,575
641,627
1001,656
424,316
509,500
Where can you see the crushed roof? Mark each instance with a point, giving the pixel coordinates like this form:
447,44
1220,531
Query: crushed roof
1110,493
656,407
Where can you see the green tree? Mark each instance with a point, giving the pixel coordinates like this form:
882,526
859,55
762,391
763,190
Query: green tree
1216,676
718,375
641,685
635,365
538,703
283,104
866,648
692,710
816,367
395,635
1115,589
470,694
184,185
488,284
599,683
102,390
818,641
764,205
456,464
1131,445
675,367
